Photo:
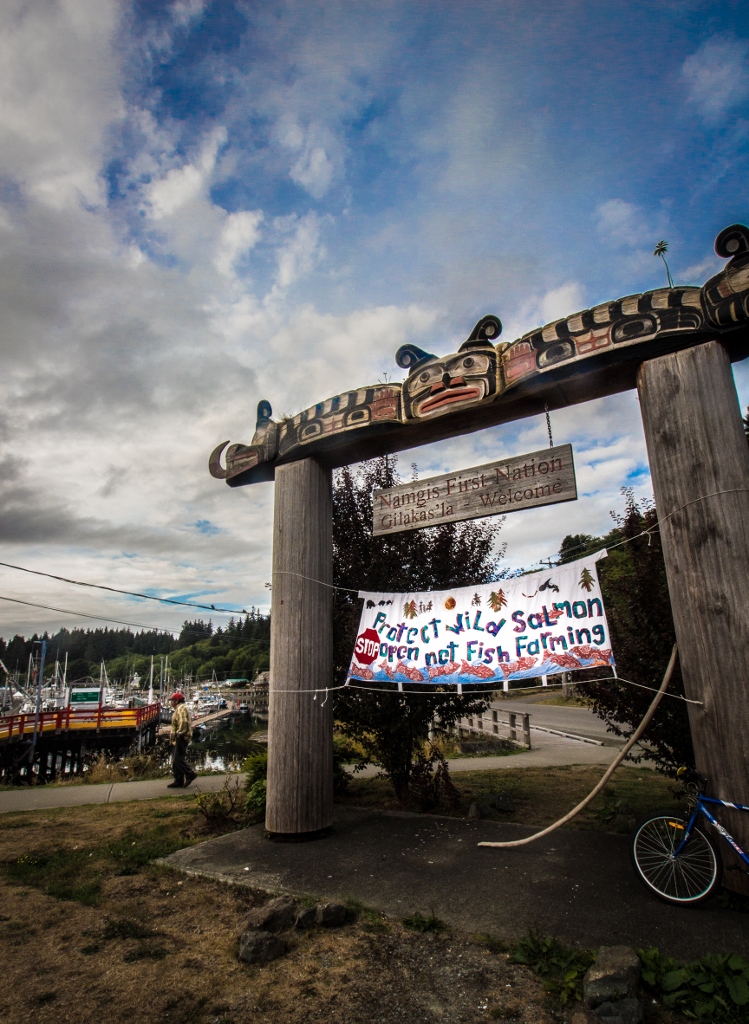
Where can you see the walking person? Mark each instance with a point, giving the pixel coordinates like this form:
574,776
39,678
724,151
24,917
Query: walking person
181,735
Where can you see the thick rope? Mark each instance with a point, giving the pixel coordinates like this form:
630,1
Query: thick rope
609,772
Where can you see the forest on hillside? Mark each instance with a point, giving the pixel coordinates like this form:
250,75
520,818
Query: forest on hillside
241,648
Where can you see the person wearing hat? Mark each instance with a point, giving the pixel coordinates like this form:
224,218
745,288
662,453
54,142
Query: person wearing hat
181,736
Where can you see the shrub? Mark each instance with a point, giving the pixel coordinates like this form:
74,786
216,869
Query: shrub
560,968
715,988
256,770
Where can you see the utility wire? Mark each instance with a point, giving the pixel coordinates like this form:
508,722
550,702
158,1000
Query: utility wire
137,625
127,593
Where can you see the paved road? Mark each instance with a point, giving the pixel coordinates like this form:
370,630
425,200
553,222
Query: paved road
547,750
578,886
577,720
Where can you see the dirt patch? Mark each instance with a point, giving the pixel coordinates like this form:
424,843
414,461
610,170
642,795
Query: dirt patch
130,942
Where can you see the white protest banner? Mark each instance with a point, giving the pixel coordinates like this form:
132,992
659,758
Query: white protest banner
541,624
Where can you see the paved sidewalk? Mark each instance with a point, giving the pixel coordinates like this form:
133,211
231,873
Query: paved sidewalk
576,885
41,797
547,751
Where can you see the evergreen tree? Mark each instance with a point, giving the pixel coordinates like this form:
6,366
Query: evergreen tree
392,727
638,609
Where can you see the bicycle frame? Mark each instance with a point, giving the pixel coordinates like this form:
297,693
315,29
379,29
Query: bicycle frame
701,808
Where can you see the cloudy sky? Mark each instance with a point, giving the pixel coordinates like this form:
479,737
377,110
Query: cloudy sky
208,202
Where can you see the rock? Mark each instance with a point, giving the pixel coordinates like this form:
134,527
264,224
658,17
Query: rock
614,976
258,947
474,811
330,915
275,916
622,1011
306,918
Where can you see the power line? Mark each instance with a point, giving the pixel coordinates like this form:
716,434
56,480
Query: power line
137,625
87,615
127,593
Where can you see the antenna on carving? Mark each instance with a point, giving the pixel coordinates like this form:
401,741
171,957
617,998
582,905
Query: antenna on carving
661,249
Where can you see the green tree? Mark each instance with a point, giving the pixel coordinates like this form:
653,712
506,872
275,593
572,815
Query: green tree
635,592
392,727
661,248
576,546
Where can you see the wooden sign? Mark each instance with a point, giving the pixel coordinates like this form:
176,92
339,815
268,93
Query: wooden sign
509,485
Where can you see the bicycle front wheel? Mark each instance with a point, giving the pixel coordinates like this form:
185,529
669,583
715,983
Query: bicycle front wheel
685,879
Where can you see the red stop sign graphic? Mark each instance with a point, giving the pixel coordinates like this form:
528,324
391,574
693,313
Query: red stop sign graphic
367,647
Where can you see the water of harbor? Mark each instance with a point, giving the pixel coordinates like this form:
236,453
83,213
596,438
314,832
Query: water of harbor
226,742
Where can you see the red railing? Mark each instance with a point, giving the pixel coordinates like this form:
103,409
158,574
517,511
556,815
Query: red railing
15,726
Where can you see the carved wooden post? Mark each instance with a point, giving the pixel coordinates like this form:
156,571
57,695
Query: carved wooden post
300,727
696,447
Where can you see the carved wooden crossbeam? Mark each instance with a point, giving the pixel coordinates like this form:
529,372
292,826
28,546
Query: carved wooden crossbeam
593,353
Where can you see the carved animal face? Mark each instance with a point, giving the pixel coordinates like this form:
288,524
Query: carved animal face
445,385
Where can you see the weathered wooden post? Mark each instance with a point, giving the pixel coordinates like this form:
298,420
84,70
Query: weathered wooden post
300,722
699,460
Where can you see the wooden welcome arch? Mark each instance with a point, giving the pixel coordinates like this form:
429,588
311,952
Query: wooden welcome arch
675,345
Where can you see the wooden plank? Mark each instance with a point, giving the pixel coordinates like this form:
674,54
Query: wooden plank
545,477
300,723
696,447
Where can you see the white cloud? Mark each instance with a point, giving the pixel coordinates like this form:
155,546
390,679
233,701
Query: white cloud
622,223
239,234
538,310
717,76
59,81
313,169
562,301
181,184
184,12
300,253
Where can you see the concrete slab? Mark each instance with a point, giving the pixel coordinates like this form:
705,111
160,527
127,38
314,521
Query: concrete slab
576,885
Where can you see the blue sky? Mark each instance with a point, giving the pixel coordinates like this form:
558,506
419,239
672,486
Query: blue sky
203,204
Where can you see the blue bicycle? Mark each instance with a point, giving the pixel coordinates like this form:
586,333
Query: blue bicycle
677,860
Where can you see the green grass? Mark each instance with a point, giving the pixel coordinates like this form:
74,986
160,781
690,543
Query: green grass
541,795
503,748
70,873
369,919
419,923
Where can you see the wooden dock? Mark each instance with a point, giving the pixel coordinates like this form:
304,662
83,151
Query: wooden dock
64,739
